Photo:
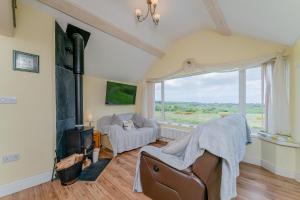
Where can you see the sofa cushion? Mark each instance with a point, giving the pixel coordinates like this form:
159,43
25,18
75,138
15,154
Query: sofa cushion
138,120
177,146
116,120
128,125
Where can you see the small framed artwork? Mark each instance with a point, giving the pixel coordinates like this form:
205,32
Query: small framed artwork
25,62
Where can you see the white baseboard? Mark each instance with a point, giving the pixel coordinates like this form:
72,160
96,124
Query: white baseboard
253,161
297,177
19,185
268,166
272,168
279,171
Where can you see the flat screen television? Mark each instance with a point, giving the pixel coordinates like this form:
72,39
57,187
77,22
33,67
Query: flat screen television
120,94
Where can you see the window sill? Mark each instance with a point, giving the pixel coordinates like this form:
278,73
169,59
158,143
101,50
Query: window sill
278,140
255,134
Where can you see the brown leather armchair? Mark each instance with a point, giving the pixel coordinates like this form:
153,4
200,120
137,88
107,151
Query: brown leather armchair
201,181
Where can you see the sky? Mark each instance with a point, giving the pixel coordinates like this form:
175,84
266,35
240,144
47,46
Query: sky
212,88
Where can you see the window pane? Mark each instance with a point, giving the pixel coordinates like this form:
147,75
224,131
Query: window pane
197,99
158,112
254,107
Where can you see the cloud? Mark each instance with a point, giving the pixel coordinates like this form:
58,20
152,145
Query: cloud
211,88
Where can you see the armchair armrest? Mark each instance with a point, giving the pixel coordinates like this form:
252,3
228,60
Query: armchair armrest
208,168
205,166
160,181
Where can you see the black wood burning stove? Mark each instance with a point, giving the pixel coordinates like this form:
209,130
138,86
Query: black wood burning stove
76,139
79,140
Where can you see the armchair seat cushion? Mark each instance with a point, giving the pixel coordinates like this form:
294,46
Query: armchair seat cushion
177,147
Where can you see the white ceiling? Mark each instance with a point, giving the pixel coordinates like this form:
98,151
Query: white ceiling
274,20
110,58
178,18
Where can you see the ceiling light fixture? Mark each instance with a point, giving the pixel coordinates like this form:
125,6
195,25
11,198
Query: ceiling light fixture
152,5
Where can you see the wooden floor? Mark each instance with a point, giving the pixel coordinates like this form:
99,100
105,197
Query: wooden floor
115,182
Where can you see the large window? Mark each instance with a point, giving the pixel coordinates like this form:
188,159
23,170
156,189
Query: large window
196,99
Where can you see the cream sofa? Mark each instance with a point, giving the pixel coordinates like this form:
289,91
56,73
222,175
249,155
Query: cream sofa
119,140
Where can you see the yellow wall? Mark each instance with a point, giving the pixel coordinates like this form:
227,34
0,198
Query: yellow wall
295,92
209,47
28,127
94,90
286,158
295,96
254,151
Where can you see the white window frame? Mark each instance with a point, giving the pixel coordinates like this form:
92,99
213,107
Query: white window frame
242,92
162,90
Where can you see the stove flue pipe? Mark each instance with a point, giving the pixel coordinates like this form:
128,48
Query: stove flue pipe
78,70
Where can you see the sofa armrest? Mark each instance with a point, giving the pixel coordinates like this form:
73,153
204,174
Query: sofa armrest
104,123
152,124
114,132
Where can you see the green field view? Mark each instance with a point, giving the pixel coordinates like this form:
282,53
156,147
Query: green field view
199,113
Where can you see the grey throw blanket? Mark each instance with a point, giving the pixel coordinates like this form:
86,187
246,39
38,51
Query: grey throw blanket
225,137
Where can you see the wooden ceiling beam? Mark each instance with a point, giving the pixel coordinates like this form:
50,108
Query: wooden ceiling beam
90,19
6,18
217,16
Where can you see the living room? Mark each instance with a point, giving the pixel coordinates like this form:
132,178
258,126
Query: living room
223,61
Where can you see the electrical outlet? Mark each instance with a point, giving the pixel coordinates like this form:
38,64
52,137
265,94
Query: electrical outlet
11,158
8,100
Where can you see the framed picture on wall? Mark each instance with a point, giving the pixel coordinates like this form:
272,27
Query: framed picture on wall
25,62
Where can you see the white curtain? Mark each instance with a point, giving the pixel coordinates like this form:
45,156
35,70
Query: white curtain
276,97
191,67
267,72
148,99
